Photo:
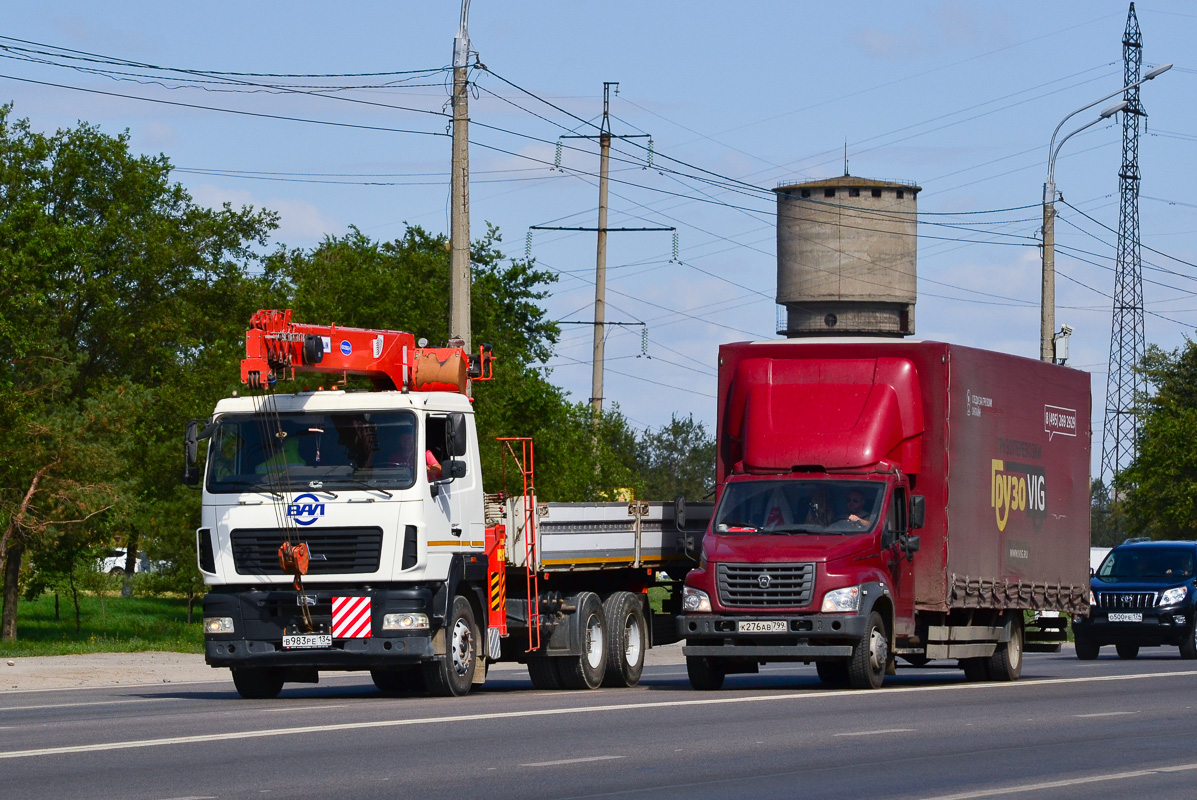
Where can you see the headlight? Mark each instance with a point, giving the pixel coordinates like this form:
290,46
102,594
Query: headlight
218,624
404,622
695,600
1173,596
846,599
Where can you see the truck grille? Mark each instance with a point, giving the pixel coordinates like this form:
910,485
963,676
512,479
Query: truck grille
766,585
1119,600
333,550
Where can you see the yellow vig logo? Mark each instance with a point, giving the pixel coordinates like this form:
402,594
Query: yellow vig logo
1016,487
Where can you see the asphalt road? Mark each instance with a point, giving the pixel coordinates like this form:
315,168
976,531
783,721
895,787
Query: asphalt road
1091,730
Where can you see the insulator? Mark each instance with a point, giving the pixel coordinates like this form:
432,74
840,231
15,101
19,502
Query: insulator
650,152
557,159
675,246
528,247
643,340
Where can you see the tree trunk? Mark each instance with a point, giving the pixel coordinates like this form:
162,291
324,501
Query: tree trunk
75,597
12,573
131,555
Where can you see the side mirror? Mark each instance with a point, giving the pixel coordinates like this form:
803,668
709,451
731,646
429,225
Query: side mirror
454,469
691,544
918,512
910,545
191,473
679,512
455,434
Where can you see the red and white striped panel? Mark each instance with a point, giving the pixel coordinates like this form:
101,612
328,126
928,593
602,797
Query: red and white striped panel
351,618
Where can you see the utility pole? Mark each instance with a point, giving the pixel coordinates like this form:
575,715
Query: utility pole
600,264
459,224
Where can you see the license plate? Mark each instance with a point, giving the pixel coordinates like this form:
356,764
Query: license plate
1115,617
765,626
306,641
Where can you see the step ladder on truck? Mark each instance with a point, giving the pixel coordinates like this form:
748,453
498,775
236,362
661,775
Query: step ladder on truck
349,530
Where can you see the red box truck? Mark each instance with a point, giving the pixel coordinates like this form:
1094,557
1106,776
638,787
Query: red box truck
883,498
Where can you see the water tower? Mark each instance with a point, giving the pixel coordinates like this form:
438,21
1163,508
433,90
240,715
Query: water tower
846,250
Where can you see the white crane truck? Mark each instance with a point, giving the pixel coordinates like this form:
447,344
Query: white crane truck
349,530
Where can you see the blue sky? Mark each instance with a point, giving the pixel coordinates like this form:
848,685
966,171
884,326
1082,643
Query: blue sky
959,97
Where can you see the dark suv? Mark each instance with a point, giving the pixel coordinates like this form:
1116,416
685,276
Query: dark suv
1141,595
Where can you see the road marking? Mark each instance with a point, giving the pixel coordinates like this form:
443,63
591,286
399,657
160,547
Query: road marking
296,708
1039,787
1106,714
570,761
97,703
554,712
877,733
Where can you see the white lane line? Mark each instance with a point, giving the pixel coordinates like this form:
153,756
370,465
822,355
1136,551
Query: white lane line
570,761
878,733
859,696
1040,787
121,702
296,708
1106,714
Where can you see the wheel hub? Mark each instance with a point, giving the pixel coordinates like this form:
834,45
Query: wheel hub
462,647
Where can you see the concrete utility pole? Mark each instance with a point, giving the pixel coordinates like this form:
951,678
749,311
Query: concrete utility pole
459,224
600,267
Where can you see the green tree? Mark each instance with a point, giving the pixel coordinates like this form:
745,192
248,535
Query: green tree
1160,486
677,459
118,293
1103,516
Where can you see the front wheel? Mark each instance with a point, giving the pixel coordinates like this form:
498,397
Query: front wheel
1086,648
1188,647
706,674
258,684
833,674
452,674
870,657
1127,650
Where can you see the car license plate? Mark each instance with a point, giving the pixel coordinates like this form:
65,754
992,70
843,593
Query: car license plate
1116,617
306,641
765,626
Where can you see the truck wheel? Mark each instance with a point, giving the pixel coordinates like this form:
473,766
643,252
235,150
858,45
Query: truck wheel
543,672
258,684
866,668
1006,662
585,671
976,670
398,680
451,674
1127,650
1086,648
1188,646
706,674
626,639
833,674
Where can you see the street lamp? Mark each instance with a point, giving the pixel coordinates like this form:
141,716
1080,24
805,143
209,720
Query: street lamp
1047,307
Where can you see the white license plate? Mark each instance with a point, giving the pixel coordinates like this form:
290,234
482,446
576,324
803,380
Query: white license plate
1115,617
766,626
306,641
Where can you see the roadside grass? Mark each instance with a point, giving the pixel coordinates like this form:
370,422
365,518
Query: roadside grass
123,625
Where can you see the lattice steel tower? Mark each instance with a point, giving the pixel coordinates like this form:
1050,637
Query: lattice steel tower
1120,441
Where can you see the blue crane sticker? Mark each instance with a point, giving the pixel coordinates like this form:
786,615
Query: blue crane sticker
306,509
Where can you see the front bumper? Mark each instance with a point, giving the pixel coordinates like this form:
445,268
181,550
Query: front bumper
807,637
261,615
1157,627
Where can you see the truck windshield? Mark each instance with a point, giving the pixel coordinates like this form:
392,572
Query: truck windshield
1148,562
799,506
375,449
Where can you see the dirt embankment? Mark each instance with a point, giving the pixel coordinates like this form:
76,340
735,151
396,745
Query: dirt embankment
104,669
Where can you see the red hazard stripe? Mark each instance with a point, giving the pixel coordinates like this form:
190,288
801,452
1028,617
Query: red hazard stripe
351,618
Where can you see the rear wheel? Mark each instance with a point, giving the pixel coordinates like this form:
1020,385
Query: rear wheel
870,657
1086,648
1127,650
833,674
543,673
452,674
258,684
1006,662
706,674
585,671
626,639
975,669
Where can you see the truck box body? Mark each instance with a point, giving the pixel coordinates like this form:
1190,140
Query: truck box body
970,471
997,444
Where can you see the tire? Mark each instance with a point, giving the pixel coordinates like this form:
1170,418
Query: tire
399,680
976,670
627,639
870,656
706,674
1127,650
258,684
452,674
833,674
1005,665
1188,647
585,671
116,571
543,672
1086,648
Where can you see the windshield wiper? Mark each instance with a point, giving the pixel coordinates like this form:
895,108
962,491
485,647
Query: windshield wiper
362,484
793,529
257,487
